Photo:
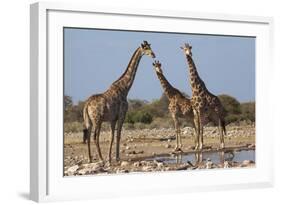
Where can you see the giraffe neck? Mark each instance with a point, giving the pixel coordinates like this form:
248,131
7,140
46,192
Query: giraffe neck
124,83
195,81
169,90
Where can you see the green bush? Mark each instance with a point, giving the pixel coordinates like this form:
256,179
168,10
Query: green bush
248,111
155,114
231,105
138,116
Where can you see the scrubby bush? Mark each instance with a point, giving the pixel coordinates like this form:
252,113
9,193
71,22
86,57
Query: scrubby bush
231,105
142,114
73,127
166,122
248,111
138,116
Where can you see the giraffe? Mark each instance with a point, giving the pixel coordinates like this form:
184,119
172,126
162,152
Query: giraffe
179,105
112,105
205,104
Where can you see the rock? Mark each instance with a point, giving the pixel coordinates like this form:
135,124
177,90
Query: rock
97,166
251,146
168,146
214,131
160,165
191,147
71,170
118,171
132,152
124,164
147,168
80,162
209,164
246,163
84,171
226,164
137,164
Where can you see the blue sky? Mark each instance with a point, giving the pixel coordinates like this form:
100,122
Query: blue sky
93,59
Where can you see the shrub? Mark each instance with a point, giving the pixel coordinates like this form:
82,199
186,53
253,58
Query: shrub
73,127
231,105
248,111
138,116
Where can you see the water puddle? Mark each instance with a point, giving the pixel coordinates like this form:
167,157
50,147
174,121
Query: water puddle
215,157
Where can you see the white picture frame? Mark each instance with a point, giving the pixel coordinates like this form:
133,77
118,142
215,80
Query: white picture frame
46,175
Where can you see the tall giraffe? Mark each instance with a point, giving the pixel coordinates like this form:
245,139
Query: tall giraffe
205,104
179,105
112,105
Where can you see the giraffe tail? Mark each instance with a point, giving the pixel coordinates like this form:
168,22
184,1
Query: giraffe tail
86,124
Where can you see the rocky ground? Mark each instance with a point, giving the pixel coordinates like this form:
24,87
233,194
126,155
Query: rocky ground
139,150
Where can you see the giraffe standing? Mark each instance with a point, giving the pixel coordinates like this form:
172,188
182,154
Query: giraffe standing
205,104
112,105
179,105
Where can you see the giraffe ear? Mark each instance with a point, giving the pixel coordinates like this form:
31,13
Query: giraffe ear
181,47
153,64
190,47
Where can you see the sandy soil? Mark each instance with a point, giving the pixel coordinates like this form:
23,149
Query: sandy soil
137,146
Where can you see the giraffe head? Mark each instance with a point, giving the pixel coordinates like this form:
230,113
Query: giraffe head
187,49
146,49
157,66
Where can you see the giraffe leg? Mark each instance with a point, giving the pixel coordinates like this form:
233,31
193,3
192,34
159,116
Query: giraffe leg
196,133
221,157
197,129
113,123
96,141
88,137
180,142
176,123
118,136
221,134
85,135
201,127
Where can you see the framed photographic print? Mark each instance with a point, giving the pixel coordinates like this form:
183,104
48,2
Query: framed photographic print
147,101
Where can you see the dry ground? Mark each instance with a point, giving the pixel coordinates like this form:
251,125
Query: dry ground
138,145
